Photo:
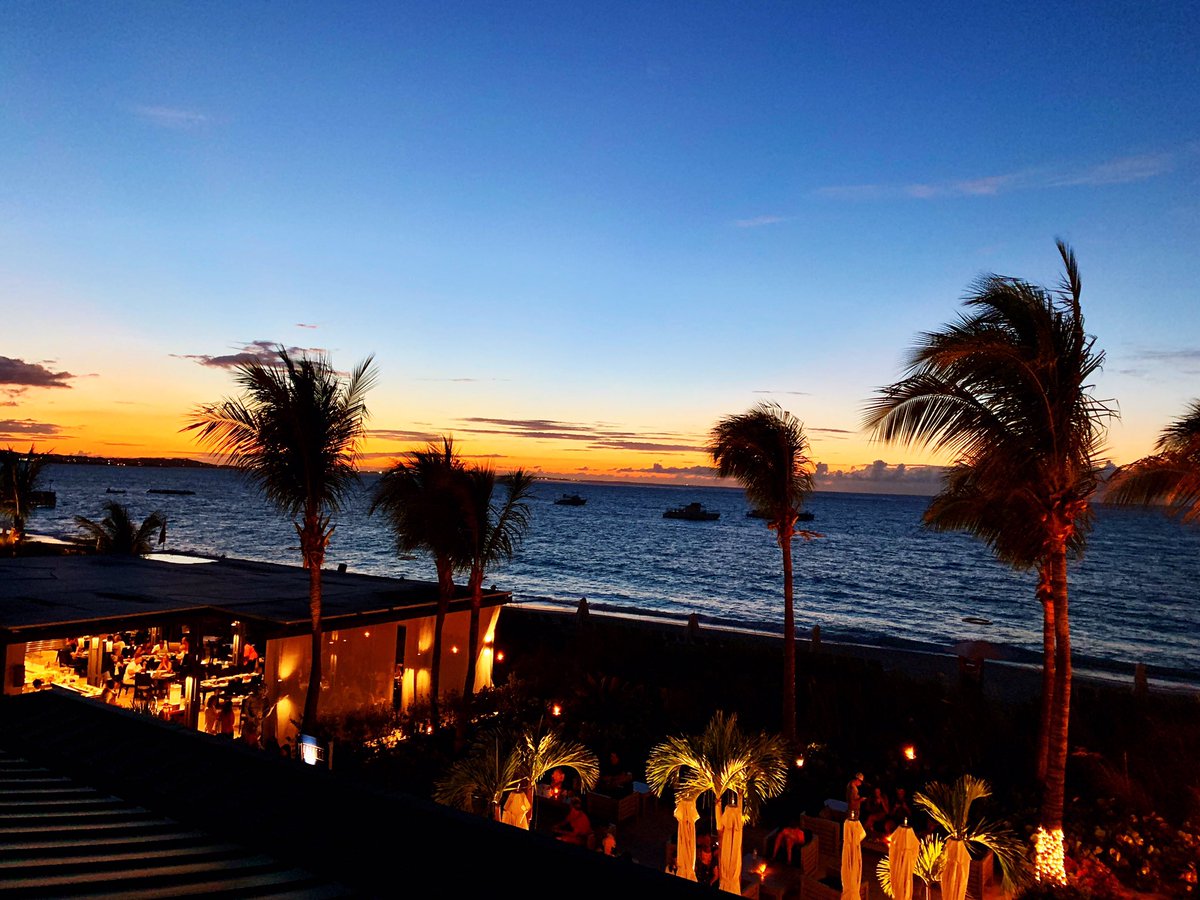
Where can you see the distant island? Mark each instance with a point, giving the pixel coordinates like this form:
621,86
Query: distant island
146,462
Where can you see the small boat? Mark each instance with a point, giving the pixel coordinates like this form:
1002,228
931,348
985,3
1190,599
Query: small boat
570,500
169,491
43,499
114,491
801,516
693,512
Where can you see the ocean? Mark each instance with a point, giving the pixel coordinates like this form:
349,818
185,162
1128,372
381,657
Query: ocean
874,575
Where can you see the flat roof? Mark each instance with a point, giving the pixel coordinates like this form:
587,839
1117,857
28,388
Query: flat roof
40,595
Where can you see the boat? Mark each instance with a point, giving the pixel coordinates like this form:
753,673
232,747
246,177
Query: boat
693,512
169,491
570,500
801,516
43,499
114,490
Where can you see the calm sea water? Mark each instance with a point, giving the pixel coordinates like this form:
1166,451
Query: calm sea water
875,576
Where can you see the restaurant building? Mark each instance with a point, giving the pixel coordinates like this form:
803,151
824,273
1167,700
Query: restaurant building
224,630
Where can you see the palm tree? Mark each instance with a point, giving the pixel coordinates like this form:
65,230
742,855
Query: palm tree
928,866
424,499
766,450
950,808
295,434
501,760
117,535
1170,476
721,759
19,475
494,531
1006,390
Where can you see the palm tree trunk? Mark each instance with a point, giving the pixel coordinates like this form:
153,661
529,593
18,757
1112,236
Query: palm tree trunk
476,587
314,558
789,639
1045,596
1052,799
445,592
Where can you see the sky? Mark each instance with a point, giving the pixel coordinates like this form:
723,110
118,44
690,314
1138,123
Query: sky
574,236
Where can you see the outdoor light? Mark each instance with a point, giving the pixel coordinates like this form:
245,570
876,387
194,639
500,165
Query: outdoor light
366,634
454,649
799,762
762,871
499,656
1050,856
556,710
910,752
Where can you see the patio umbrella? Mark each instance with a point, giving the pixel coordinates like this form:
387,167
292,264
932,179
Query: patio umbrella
516,809
729,827
955,870
852,836
902,859
685,843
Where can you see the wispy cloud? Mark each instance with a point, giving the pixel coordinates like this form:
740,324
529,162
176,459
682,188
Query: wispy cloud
27,374
462,380
1123,170
399,434
1185,360
28,430
253,352
793,393
306,325
596,436
172,117
759,221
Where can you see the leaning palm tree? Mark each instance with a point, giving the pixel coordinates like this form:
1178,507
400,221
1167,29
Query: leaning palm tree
950,808
1171,476
1006,390
19,473
721,759
494,531
295,433
117,535
501,760
766,450
423,497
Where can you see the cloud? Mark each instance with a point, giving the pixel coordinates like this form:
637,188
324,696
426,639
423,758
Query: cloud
305,325
660,469
253,352
17,371
462,380
759,221
879,473
1184,360
597,436
28,429
793,393
1123,170
172,117
645,445
400,434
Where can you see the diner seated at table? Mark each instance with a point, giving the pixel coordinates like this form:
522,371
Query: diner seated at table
576,828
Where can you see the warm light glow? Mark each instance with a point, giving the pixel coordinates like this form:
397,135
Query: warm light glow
910,752
454,649
366,634
799,762
489,639
556,710
487,651
1049,864
499,656
762,871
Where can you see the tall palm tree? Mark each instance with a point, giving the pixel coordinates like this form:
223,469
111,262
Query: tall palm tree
117,535
295,433
950,808
500,760
1171,476
423,497
1006,390
494,532
766,450
19,473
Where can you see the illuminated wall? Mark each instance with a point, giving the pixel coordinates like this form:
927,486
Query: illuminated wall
418,652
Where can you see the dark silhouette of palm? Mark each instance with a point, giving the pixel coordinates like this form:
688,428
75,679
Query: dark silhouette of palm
495,529
1171,476
766,450
1006,390
424,496
19,473
117,535
294,433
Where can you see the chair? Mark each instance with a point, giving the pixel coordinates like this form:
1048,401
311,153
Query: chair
143,691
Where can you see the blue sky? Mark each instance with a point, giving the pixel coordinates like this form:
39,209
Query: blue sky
631,218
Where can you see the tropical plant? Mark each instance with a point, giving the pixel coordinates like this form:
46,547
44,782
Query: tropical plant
295,433
494,532
1171,476
117,535
19,473
501,760
1006,390
928,866
950,808
766,450
424,497
722,758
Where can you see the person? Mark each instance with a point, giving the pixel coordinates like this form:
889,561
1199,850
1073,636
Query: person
707,871
576,828
615,781
109,694
557,783
225,717
249,656
135,666
212,714
853,798
788,838
518,808
875,809
901,810
608,844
